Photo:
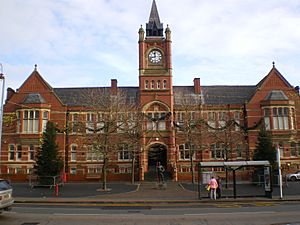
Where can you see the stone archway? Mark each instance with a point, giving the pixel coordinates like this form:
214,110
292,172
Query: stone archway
156,153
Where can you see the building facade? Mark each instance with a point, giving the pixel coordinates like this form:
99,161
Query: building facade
181,126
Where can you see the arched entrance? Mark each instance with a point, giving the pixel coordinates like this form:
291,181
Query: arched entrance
156,153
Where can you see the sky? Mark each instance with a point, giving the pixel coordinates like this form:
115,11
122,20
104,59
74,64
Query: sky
77,43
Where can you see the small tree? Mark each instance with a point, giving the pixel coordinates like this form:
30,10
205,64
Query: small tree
48,162
264,148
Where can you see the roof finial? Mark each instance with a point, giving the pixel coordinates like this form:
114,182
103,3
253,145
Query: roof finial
273,64
35,67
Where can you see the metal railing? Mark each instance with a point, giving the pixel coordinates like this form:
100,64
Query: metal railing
45,181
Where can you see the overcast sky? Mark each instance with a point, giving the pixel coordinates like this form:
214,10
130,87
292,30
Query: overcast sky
79,43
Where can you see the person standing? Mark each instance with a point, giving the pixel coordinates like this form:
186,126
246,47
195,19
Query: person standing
160,172
213,188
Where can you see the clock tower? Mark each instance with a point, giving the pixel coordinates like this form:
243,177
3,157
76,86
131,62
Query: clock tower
156,93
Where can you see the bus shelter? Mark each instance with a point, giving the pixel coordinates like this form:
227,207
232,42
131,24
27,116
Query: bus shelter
234,166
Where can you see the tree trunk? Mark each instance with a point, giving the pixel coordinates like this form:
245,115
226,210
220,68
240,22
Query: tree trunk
132,169
104,183
192,165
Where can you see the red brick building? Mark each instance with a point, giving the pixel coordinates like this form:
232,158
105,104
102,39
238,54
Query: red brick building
230,117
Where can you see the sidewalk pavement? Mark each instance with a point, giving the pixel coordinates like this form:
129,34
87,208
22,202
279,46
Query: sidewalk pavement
144,192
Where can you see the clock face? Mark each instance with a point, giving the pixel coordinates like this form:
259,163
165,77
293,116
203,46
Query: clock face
155,56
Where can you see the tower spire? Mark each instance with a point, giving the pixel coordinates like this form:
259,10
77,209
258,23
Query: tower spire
154,27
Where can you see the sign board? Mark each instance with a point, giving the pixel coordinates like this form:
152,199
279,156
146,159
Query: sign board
267,178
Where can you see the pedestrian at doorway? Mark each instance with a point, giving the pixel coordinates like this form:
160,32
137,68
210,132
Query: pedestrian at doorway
213,188
219,190
160,172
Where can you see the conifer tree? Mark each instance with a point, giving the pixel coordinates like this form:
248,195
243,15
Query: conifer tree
48,162
264,148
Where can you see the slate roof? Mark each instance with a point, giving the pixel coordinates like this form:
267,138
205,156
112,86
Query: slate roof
34,98
276,95
212,95
154,27
218,95
77,96
154,18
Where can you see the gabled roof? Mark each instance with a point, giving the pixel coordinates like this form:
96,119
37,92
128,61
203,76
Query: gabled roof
273,71
36,75
34,98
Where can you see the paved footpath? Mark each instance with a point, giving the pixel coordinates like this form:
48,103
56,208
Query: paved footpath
126,192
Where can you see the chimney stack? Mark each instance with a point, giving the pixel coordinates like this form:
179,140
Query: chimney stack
9,93
197,88
114,86
297,89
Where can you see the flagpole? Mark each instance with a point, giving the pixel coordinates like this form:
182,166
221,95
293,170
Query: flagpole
1,111
279,171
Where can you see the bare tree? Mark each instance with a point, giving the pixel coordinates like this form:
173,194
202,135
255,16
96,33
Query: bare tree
133,133
190,126
105,109
227,135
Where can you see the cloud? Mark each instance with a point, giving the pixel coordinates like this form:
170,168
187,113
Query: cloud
91,41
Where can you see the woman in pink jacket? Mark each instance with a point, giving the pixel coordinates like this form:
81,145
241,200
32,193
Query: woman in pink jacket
213,188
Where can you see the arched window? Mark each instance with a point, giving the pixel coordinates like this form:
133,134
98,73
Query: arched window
31,153
152,84
164,84
158,84
19,152
146,84
11,153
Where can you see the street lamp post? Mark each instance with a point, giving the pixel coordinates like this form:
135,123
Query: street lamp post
279,172
1,111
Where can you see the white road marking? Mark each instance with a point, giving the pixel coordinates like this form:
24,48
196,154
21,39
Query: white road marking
232,213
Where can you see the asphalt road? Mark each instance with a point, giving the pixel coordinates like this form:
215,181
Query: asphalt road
91,214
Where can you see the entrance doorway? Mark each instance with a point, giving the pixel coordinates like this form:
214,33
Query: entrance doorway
156,153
